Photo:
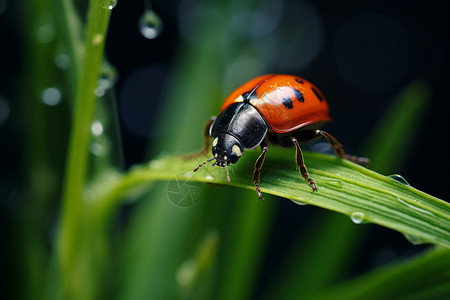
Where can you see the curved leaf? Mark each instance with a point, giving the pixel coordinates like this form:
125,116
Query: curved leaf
361,194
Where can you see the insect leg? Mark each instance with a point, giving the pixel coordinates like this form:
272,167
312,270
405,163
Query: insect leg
337,147
301,165
258,165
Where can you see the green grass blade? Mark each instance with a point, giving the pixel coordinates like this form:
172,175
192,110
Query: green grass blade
76,267
424,277
344,187
397,129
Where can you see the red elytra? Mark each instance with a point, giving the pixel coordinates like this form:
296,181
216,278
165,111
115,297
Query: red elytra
286,102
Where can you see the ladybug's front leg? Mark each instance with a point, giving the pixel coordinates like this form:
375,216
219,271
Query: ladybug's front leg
337,147
258,165
301,165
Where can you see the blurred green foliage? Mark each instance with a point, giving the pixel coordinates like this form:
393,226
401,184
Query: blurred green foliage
75,246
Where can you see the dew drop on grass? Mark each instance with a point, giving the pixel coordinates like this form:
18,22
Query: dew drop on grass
299,202
150,24
416,208
399,178
107,78
98,149
357,217
109,4
45,33
51,96
414,239
97,128
62,61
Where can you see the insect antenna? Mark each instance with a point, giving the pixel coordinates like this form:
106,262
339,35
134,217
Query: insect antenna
203,163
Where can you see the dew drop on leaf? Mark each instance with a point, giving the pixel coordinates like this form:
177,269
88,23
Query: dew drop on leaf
150,24
45,32
107,78
98,149
414,239
51,96
357,217
109,4
97,128
62,61
399,178
299,202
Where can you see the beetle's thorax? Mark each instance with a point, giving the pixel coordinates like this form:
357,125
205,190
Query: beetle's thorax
239,124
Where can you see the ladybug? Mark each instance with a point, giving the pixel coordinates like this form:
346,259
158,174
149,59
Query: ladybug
278,109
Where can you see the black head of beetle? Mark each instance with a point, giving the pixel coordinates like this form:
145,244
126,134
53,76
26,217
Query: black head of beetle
240,126
226,149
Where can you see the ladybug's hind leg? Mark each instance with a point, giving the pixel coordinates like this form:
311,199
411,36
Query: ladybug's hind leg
301,165
337,147
206,140
258,165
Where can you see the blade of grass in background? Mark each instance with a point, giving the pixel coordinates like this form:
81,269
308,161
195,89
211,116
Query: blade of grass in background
317,266
391,140
80,269
424,277
42,148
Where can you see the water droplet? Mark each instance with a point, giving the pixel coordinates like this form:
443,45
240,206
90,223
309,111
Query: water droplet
109,4
4,111
107,78
414,239
97,128
209,177
45,33
357,217
399,178
413,206
150,24
62,61
98,149
51,96
298,202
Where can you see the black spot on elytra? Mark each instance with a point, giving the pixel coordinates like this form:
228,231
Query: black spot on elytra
288,102
299,95
249,95
299,81
318,94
